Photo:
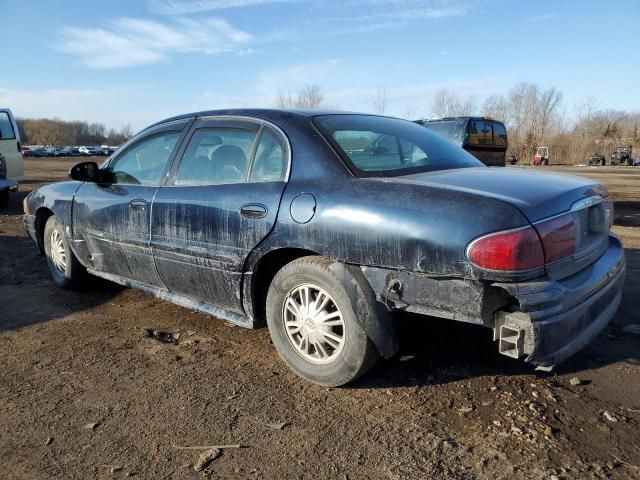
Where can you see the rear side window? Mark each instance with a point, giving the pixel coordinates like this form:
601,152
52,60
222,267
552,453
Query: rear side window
269,164
480,133
215,156
6,127
382,146
499,134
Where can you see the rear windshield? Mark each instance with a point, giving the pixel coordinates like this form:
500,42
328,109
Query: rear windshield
382,146
6,128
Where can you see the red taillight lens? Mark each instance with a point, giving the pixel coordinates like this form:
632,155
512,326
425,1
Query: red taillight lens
558,237
512,251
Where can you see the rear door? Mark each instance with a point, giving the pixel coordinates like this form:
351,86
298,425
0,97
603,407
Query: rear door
221,200
112,221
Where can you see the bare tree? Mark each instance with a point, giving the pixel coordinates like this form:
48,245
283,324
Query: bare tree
496,106
45,131
444,103
447,103
309,97
409,111
548,103
380,102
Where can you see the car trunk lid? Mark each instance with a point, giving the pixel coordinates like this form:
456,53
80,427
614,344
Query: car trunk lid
538,195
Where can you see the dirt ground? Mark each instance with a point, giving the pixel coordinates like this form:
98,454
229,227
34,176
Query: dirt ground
86,392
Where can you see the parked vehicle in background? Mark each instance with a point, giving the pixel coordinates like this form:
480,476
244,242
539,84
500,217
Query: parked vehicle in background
622,155
597,159
6,185
106,150
541,157
10,145
512,158
483,137
306,220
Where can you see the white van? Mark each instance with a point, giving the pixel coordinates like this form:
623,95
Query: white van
10,145
11,164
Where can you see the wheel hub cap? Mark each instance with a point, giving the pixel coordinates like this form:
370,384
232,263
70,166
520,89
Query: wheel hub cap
57,250
313,323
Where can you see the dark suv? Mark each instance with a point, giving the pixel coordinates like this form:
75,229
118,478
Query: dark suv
483,137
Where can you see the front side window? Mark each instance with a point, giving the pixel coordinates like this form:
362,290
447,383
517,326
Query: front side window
366,143
144,162
6,127
215,156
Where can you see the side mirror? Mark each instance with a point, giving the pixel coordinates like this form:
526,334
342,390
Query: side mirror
85,172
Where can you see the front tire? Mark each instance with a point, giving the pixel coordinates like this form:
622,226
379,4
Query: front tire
313,324
65,269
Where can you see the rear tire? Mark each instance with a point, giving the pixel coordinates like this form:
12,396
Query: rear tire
313,324
65,269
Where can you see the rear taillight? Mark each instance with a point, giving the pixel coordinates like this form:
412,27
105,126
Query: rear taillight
510,251
558,237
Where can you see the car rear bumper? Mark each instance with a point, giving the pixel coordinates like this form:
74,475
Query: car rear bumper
558,318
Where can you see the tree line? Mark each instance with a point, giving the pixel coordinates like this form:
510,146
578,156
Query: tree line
534,116
56,132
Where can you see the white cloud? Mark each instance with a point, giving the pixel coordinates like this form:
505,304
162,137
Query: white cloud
543,17
382,15
130,41
182,7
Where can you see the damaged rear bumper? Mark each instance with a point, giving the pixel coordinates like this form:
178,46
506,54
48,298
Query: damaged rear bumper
557,318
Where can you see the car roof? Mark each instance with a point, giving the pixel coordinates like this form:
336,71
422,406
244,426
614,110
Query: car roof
269,114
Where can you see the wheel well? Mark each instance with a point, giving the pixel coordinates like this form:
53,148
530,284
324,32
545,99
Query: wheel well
42,215
265,270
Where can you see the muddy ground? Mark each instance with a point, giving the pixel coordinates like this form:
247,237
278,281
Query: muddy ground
86,392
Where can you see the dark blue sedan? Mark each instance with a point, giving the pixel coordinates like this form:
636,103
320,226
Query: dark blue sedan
324,225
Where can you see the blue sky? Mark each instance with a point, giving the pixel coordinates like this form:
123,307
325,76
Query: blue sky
136,62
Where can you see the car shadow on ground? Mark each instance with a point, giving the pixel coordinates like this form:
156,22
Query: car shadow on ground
28,294
436,351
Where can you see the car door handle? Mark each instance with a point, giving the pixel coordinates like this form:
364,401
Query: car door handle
253,210
138,204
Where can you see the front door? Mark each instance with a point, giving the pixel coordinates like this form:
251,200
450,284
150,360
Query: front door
221,200
112,221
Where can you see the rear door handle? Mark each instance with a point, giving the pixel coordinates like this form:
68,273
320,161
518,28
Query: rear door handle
253,210
138,204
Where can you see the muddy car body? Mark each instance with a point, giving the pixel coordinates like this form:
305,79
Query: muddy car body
331,237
